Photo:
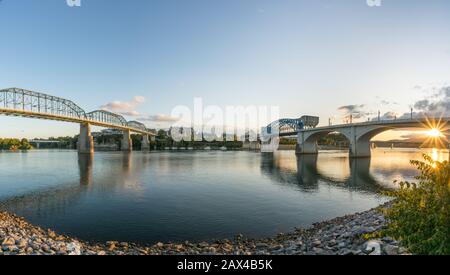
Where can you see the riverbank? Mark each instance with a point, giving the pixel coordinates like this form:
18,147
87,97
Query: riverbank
340,236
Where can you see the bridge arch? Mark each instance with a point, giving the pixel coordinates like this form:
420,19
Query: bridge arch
136,125
307,141
107,117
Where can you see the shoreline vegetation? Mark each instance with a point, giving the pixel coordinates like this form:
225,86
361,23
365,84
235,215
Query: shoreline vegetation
164,142
14,144
354,234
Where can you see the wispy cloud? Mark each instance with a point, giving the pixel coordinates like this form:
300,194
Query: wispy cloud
160,118
386,102
355,111
127,108
437,103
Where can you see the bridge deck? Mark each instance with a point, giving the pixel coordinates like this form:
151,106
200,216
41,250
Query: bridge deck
413,123
46,116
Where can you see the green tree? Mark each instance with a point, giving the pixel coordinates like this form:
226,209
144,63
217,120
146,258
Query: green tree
420,214
24,145
14,144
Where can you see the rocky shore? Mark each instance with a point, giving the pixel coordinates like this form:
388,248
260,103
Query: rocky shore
348,235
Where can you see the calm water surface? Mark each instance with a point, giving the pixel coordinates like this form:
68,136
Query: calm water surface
169,196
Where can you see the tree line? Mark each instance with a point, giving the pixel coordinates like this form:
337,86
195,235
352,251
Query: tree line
14,144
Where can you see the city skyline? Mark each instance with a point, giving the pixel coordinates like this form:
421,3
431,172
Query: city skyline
143,59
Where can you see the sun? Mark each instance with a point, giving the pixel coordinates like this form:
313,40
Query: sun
434,133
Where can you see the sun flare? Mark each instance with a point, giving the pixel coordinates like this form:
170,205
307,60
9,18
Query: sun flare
434,133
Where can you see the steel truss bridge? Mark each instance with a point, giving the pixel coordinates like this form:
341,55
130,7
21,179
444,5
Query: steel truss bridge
25,103
359,134
284,127
20,102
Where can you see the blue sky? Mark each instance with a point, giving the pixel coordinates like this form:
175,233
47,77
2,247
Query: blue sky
307,57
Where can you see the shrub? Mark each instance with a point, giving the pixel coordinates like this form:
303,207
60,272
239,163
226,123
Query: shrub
420,214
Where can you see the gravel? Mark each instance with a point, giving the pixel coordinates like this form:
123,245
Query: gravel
340,236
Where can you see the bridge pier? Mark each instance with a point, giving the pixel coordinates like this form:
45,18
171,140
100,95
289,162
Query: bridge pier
145,145
306,145
359,138
360,149
153,140
85,140
127,144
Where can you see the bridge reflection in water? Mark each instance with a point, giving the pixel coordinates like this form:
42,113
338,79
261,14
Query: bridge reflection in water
167,196
310,170
53,201
307,172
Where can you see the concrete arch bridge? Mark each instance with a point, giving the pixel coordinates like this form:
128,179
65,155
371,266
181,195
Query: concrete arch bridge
358,134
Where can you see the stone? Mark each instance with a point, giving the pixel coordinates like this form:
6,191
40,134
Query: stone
373,247
278,247
22,243
261,245
319,251
74,248
13,248
9,241
51,234
345,252
391,249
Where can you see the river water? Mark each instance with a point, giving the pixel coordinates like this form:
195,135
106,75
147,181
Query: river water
177,196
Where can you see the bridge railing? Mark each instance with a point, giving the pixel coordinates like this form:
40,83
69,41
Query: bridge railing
426,120
286,127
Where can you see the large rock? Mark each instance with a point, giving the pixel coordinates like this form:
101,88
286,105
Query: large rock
373,247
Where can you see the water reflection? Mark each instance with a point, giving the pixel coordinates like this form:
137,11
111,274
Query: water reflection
55,200
310,170
167,196
85,166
